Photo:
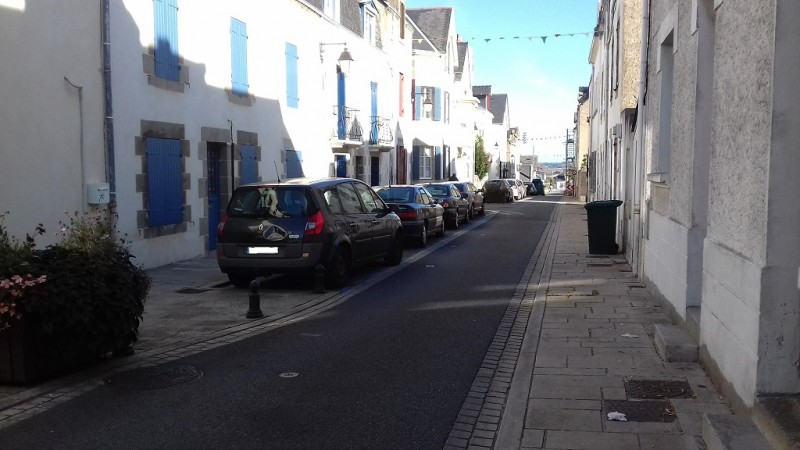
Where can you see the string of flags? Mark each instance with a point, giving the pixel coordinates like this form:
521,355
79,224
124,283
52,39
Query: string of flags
548,138
530,38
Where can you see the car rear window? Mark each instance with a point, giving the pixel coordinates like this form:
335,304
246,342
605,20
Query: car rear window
270,202
397,195
438,190
492,185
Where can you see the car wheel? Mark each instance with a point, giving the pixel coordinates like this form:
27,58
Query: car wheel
454,223
423,237
483,208
240,279
471,211
395,254
440,232
338,271
467,215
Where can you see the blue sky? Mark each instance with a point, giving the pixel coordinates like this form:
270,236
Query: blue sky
540,78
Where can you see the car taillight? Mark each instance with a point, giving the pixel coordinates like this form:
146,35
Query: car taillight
444,204
407,215
315,224
221,225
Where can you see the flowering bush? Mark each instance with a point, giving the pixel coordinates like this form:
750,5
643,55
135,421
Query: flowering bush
82,294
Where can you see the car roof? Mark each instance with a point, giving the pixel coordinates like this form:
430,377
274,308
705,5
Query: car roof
315,182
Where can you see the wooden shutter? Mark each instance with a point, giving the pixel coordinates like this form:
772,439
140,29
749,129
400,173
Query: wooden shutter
165,17
437,104
249,173
292,98
239,57
164,182
415,163
294,164
437,163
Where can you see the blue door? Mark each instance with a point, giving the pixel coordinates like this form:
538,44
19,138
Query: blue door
213,195
375,171
341,166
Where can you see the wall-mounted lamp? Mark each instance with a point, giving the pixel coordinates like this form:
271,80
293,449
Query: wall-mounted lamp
427,105
345,58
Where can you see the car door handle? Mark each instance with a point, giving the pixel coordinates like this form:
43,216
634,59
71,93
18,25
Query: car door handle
376,222
353,226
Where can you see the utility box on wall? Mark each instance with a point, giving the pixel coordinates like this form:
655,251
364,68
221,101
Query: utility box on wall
98,193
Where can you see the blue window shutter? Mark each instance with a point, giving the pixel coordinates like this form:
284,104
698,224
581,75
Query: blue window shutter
373,88
249,164
415,163
437,104
291,76
417,103
341,109
294,164
437,158
239,57
165,18
164,182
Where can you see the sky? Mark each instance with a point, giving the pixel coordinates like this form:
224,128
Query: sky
540,76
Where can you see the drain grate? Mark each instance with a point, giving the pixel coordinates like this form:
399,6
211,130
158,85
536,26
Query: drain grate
641,410
192,291
655,389
154,377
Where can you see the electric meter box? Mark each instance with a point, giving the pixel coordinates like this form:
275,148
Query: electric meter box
98,193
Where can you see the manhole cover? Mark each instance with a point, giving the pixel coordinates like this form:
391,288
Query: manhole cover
191,291
154,377
641,410
655,389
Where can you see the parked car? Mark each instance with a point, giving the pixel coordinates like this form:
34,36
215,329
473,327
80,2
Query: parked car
417,209
498,191
456,208
474,196
516,187
530,189
295,225
539,186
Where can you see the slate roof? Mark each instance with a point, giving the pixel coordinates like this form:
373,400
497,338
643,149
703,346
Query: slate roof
497,106
462,56
434,23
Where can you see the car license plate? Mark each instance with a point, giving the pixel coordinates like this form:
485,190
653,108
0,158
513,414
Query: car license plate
262,250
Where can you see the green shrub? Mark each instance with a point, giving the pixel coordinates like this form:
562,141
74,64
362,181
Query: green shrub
93,296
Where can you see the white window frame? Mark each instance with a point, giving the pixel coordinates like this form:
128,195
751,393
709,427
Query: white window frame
370,24
331,8
426,163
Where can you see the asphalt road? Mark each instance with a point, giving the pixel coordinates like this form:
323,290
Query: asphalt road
388,368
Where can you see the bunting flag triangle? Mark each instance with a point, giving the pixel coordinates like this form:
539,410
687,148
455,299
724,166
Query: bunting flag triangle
544,39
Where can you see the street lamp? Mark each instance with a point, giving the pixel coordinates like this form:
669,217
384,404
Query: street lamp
345,58
499,163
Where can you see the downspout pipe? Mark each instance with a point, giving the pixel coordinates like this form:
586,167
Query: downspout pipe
82,146
109,108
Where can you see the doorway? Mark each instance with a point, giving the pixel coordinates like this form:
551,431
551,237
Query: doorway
213,152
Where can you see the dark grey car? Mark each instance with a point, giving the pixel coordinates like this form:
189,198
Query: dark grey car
473,196
295,225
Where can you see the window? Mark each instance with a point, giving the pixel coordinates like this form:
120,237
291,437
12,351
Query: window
370,23
665,115
369,198
360,167
292,98
331,9
165,17
433,97
239,57
332,199
425,163
350,202
164,182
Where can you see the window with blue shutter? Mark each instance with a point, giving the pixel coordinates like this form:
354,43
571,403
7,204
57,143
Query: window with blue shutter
239,57
249,164
294,164
164,182
437,104
292,98
437,158
165,18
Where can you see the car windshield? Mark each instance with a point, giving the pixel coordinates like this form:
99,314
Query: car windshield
397,194
438,190
269,202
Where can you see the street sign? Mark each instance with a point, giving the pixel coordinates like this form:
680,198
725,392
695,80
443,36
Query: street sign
572,172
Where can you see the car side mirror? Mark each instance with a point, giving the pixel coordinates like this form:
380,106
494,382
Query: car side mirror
392,208
464,195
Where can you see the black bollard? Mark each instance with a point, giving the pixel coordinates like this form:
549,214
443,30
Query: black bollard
319,279
255,302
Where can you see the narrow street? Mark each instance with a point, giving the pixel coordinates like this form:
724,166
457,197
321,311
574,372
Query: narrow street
388,368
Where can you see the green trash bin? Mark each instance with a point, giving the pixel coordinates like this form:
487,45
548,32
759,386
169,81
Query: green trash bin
601,217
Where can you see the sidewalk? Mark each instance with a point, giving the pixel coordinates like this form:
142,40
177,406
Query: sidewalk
591,352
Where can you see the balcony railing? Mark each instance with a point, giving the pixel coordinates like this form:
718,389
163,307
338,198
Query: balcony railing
380,132
348,128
